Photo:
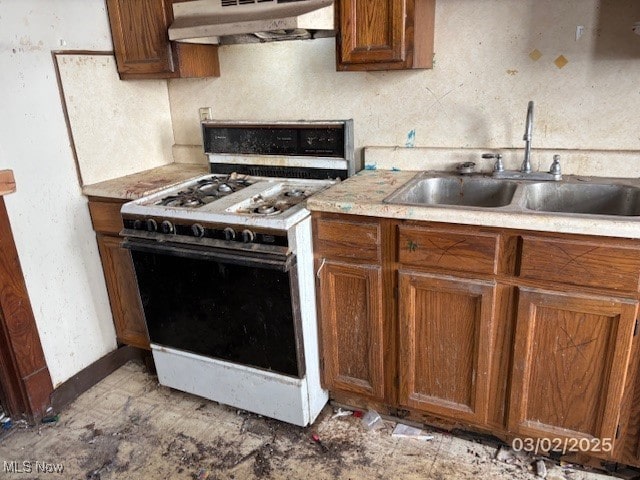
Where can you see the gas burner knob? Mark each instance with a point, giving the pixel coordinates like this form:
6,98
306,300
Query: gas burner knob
152,225
229,234
166,227
248,236
137,224
197,230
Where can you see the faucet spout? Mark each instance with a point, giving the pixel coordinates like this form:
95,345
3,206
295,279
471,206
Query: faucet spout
528,134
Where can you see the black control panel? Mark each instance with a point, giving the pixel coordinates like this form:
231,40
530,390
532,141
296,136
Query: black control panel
231,233
318,140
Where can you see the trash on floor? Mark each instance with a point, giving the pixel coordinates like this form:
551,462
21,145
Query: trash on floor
342,413
406,431
541,469
372,420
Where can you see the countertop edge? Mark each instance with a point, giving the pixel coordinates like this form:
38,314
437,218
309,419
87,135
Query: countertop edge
363,195
140,184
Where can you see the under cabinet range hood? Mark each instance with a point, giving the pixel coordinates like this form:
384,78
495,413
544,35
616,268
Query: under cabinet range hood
248,21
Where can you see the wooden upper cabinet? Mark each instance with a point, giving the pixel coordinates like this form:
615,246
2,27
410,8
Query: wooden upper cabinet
384,34
142,47
570,364
445,330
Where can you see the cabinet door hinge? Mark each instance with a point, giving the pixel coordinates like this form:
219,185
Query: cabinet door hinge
618,432
635,330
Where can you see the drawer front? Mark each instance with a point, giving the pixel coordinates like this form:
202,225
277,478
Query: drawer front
347,239
590,264
105,217
477,252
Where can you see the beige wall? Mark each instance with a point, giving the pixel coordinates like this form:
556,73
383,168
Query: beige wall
49,216
118,127
475,96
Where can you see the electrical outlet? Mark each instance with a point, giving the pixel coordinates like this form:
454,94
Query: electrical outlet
205,113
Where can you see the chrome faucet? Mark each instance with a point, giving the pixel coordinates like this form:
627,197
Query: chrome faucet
525,173
528,134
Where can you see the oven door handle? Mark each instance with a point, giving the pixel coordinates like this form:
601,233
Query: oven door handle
271,261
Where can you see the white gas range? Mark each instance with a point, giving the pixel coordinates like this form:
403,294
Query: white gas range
224,265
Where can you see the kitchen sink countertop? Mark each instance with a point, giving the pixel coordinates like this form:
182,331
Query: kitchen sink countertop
131,187
363,194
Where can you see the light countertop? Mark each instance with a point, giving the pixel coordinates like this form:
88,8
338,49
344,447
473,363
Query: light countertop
139,184
363,194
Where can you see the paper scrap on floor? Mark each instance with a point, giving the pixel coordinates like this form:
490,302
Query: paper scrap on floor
405,431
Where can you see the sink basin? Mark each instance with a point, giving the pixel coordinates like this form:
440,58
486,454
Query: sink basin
455,190
583,198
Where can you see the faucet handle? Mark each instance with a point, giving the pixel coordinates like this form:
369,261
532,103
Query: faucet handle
498,166
555,168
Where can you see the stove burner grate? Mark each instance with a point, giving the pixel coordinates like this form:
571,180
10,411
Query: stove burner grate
205,191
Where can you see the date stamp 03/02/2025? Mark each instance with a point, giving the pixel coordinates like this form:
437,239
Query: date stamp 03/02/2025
31,466
563,445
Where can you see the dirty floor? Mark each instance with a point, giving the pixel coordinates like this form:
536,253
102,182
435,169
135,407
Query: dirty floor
127,426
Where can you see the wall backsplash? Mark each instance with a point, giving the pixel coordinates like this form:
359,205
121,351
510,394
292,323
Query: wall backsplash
97,102
492,57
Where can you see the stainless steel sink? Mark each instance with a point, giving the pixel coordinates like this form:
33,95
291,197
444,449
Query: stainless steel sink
573,195
455,190
583,198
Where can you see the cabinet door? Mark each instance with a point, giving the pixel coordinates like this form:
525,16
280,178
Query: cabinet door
570,364
445,328
351,320
120,277
372,31
140,37
385,34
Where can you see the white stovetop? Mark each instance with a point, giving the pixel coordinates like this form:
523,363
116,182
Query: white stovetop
224,210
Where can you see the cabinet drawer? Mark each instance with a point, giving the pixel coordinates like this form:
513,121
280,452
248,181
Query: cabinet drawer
105,217
347,239
588,263
477,252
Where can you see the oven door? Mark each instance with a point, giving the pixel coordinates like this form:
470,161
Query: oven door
238,306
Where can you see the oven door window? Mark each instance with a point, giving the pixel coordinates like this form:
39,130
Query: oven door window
239,313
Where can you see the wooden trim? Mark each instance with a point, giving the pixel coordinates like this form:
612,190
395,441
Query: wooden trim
23,369
65,111
7,182
86,378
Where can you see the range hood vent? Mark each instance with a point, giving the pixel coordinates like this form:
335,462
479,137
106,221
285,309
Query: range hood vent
246,21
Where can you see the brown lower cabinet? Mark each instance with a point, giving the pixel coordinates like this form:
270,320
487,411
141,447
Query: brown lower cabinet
524,335
119,274
445,331
355,349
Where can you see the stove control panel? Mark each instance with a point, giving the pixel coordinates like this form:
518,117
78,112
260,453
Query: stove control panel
182,232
